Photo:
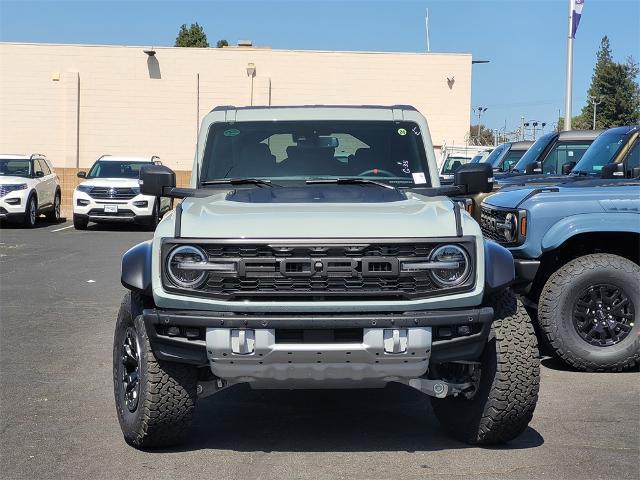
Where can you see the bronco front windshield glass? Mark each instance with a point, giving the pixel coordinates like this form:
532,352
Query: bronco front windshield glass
116,169
15,168
534,152
601,151
385,151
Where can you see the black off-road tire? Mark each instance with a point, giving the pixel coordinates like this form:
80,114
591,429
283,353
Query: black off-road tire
507,393
54,214
80,223
167,390
555,312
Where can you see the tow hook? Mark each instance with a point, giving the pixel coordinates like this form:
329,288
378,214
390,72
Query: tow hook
440,388
211,387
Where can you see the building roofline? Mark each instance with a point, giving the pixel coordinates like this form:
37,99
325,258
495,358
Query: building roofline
237,49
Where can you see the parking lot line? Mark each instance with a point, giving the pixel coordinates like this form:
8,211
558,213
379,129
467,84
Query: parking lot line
63,228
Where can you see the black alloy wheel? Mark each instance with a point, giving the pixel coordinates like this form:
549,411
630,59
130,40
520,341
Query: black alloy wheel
603,315
131,369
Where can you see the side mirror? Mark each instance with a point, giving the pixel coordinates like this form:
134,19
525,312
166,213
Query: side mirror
156,180
612,170
535,167
474,178
81,174
39,174
567,167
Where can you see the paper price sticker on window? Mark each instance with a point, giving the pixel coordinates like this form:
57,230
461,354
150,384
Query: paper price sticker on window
419,178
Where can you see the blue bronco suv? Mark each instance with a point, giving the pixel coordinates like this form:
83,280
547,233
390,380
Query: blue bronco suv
576,247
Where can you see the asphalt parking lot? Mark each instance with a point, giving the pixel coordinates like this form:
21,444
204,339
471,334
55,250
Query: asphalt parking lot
59,294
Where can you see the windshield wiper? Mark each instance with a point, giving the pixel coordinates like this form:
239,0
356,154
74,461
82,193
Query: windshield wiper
349,181
238,181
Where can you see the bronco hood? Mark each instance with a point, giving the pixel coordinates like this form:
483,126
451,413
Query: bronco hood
306,215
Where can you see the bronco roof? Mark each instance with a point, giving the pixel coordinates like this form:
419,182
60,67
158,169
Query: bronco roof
275,107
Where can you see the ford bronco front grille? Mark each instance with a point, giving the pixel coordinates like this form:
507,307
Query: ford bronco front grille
316,272
490,218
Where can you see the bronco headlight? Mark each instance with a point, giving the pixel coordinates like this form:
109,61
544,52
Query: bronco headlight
455,265
182,266
510,227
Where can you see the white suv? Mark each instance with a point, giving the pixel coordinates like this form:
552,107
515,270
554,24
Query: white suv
111,193
28,187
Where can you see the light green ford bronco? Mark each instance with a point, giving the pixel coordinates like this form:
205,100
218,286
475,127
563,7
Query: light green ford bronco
316,249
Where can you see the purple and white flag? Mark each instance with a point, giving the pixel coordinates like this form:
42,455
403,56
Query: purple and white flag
576,13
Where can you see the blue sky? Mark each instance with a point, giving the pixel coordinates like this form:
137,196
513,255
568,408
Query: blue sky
525,40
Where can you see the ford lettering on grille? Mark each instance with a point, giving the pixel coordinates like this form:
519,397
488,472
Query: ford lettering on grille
320,267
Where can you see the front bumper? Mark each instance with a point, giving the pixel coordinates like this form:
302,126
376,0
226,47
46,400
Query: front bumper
526,271
431,336
127,211
14,203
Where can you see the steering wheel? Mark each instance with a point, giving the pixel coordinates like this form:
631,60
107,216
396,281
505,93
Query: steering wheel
377,171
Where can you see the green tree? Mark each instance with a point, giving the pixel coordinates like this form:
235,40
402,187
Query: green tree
485,137
192,36
222,43
615,90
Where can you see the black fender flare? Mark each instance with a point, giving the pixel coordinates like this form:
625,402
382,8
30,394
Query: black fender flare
136,269
499,268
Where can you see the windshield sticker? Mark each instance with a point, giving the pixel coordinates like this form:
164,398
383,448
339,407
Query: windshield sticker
418,178
415,130
405,166
402,131
570,153
232,132
597,168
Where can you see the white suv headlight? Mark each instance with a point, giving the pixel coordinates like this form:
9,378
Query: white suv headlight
178,263
12,188
84,188
455,265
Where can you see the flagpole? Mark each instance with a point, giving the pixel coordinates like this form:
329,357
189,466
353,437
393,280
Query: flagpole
569,86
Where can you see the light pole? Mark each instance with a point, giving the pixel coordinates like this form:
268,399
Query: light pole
595,108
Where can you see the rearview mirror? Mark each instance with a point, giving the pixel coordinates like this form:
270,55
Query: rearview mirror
82,174
474,178
567,167
612,170
156,180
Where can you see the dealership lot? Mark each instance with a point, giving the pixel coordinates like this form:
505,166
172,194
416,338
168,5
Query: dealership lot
59,297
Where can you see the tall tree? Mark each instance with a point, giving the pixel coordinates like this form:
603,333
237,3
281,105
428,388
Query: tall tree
485,137
192,36
222,43
615,91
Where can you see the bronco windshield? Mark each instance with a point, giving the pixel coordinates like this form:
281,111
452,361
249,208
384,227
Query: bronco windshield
601,151
534,152
116,169
384,151
15,168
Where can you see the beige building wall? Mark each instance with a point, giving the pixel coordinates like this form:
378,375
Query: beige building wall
76,102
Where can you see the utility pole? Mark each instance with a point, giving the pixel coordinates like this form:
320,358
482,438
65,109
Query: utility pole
595,107
479,111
